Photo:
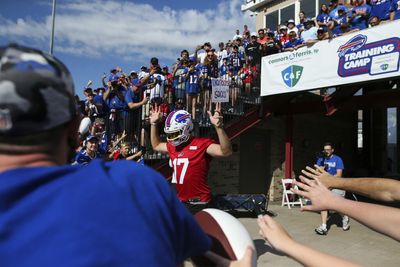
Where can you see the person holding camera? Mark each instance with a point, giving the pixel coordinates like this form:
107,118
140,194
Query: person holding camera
332,164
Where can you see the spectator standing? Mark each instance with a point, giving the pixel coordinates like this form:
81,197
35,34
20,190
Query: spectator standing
221,53
360,15
283,34
300,26
323,17
169,81
262,37
192,88
114,97
291,27
253,51
293,43
334,9
381,9
333,164
395,10
310,31
89,152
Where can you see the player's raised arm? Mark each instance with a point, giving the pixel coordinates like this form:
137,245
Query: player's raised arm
224,148
156,143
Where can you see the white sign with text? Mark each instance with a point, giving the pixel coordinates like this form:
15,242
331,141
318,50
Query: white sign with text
220,90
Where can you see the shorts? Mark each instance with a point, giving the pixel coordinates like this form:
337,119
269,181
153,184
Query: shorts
339,192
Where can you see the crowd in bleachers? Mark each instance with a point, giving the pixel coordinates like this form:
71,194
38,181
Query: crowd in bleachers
118,111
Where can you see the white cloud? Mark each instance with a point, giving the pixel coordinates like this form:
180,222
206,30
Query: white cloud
134,31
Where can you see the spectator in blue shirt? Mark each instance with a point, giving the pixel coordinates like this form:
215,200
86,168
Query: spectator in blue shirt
334,9
381,9
333,164
360,15
293,43
89,152
323,17
395,10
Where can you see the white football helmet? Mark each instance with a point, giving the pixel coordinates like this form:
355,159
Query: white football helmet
178,126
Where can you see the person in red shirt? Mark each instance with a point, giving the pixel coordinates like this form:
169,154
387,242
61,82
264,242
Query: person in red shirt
190,156
247,74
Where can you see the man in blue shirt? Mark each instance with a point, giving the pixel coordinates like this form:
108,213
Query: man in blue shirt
52,214
333,164
293,43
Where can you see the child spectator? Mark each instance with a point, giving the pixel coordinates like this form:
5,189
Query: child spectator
247,74
192,88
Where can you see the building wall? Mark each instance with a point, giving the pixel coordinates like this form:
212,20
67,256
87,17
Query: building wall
310,131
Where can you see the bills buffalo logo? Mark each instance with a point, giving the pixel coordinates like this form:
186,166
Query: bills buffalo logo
353,44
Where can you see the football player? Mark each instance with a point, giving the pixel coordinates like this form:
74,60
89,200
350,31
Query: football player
190,156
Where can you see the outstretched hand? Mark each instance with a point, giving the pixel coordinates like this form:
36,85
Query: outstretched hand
155,115
274,233
216,119
319,173
321,198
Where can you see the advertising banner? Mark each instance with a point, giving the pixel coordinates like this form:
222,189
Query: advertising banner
360,56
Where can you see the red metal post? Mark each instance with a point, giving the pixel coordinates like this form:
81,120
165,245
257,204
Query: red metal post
289,147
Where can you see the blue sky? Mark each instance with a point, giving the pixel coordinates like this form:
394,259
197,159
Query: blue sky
93,36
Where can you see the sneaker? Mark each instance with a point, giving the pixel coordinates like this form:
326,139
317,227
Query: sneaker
345,223
321,230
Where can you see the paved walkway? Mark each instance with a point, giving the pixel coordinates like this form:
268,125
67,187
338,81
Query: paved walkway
359,244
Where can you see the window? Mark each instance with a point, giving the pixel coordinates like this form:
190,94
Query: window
308,6
287,13
271,20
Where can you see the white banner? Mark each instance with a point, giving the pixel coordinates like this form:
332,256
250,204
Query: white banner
361,56
220,90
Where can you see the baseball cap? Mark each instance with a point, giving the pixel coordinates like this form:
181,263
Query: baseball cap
132,72
36,91
91,138
283,27
113,78
290,21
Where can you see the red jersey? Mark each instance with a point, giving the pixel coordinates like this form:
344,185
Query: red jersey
191,164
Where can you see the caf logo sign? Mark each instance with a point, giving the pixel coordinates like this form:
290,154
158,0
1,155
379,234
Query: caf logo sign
292,74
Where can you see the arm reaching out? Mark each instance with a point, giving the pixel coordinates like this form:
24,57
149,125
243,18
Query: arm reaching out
375,188
224,148
156,143
280,240
371,215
